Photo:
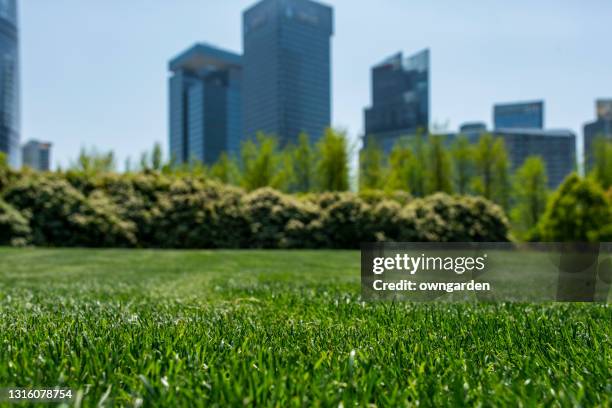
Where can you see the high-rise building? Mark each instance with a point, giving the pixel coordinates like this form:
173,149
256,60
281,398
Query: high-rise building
601,127
37,155
400,99
287,68
520,115
9,82
205,92
556,148
472,131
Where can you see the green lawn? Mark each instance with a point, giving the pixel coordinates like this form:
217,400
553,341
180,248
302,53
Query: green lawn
279,328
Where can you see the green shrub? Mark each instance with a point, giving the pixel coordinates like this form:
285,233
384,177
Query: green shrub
209,217
269,213
345,222
138,196
150,209
444,218
374,197
62,216
577,212
14,227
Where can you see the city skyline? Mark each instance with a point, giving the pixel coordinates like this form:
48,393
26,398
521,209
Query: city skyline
10,140
554,44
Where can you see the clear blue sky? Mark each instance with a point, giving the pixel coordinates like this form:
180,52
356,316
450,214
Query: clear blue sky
94,72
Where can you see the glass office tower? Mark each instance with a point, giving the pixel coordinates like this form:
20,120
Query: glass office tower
400,99
287,68
205,92
601,127
521,115
556,147
9,82
37,155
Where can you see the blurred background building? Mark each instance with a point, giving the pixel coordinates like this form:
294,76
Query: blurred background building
287,68
9,82
400,99
520,125
521,115
601,127
205,107
557,148
37,155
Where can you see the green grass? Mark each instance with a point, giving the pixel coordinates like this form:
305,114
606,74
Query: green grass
280,328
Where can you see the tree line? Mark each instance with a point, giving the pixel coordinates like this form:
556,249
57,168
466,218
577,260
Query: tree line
420,165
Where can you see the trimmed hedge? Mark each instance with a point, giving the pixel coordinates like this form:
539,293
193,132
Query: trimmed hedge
14,226
62,216
153,210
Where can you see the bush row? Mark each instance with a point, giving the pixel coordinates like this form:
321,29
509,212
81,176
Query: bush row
152,210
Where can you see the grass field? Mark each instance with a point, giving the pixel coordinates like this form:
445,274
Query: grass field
279,328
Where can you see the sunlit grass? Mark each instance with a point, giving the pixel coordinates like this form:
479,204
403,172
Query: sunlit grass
279,328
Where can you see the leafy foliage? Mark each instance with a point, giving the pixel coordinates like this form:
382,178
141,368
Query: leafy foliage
601,170
62,216
371,167
150,209
14,226
332,167
579,211
530,194
492,179
463,164
444,218
439,169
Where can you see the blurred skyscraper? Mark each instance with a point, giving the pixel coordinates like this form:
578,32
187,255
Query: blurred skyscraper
400,99
9,82
601,127
520,115
37,155
205,104
557,148
287,68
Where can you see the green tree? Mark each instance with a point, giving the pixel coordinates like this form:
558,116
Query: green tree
530,193
144,161
156,157
401,163
332,169
127,165
93,162
439,169
261,162
371,166
225,170
417,174
5,171
463,163
503,185
577,212
601,170
302,162
492,170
